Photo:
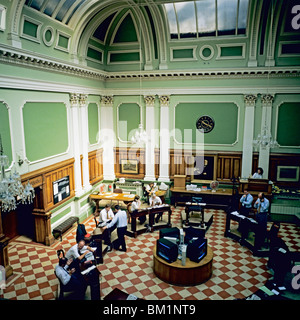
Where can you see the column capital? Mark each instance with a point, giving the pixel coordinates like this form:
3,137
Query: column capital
82,99
107,101
149,100
164,100
74,99
250,100
267,100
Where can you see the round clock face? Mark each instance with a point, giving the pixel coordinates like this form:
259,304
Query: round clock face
205,124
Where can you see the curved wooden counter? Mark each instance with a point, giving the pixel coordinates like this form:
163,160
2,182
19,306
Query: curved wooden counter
189,275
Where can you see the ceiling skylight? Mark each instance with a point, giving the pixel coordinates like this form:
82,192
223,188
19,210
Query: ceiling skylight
61,10
192,19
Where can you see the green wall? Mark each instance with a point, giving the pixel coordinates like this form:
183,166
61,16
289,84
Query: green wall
288,130
45,129
129,120
93,123
225,116
5,131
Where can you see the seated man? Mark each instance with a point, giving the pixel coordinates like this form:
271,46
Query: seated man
106,215
155,201
262,205
72,280
246,203
135,205
80,253
149,189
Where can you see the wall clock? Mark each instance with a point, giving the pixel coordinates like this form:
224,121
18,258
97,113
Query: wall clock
205,124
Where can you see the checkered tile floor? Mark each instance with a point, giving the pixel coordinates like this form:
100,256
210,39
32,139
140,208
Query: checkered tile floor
236,273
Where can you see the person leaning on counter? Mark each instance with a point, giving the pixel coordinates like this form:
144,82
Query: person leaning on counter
120,219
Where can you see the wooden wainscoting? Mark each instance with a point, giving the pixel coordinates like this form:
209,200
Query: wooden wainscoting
96,166
226,164
130,154
44,202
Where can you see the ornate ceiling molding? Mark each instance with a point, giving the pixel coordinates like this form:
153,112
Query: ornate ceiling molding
26,59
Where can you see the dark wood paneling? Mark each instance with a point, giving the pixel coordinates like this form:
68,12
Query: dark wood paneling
130,154
96,166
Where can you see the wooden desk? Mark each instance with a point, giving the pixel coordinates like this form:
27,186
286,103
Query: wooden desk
151,211
189,275
92,279
126,198
215,200
247,236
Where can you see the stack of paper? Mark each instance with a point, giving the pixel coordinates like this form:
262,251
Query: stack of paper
88,270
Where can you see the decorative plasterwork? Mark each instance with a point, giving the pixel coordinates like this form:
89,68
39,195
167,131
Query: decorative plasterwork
267,100
250,100
149,100
26,59
164,101
74,98
107,101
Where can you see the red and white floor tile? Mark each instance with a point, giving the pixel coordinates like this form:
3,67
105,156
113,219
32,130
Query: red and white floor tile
236,272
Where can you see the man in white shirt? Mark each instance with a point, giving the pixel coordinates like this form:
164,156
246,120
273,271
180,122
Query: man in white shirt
135,205
262,205
106,214
149,189
120,220
72,280
246,203
155,201
80,251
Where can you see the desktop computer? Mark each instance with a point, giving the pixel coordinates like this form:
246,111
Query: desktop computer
197,250
166,250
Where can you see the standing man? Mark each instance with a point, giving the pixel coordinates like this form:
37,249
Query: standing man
120,219
262,205
246,201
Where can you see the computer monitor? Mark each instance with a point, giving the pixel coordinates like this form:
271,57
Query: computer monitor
166,250
193,234
169,232
197,250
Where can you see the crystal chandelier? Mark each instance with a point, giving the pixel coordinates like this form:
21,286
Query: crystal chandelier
265,140
11,188
140,135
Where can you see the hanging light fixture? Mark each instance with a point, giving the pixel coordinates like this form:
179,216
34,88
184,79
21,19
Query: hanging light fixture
11,188
140,136
265,139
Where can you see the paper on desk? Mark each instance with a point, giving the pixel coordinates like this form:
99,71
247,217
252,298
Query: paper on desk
88,270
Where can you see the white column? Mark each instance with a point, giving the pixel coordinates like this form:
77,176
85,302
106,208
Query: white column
264,151
74,102
150,144
250,101
85,141
107,137
164,154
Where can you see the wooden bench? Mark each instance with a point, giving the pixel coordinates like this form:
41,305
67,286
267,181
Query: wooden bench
63,227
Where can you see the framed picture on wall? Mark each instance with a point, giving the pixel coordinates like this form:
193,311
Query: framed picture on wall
204,169
129,166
